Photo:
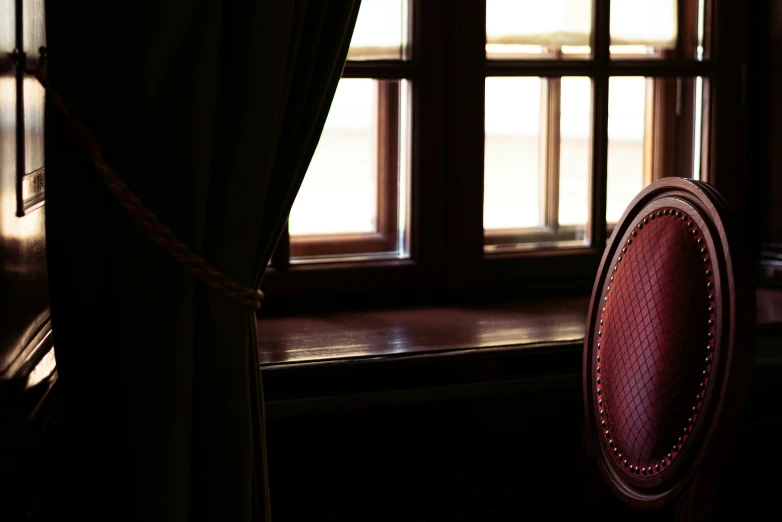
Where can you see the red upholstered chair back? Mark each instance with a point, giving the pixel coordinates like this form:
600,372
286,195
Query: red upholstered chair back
668,345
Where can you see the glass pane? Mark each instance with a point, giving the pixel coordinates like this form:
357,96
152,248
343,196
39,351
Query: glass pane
535,28
655,130
643,28
34,100
512,167
575,130
627,102
381,31
338,195
354,198
8,124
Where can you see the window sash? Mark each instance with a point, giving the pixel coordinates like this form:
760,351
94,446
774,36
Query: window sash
448,50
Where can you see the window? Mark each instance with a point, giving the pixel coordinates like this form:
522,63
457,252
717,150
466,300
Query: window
538,128
354,199
474,146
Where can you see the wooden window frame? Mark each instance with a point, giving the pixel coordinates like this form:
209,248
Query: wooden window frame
668,140
668,152
446,72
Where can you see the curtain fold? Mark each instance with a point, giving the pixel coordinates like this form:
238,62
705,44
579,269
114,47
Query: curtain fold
210,112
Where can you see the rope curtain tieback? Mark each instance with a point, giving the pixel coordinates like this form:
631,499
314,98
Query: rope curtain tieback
145,218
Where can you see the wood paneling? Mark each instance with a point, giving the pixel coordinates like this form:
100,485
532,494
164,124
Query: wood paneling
774,110
23,279
27,368
507,453
455,433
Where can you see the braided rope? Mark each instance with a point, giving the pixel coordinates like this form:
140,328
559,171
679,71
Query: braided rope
146,219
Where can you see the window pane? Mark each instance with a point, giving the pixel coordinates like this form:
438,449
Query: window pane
381,31
626,132
338,193
353,200
34,101
575,130
643,28
655,130
537,157
519,28
512,168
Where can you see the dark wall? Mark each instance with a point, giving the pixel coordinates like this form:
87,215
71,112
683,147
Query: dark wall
483,459
765,108
773,109
513,457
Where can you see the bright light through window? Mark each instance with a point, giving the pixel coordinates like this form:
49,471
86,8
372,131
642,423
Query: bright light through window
338,195
575,129
626,131
649,22
381,31
515,28
512,172
537,156
518,27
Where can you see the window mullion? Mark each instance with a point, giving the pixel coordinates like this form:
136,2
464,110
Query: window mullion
599,162
601,17
465,141
554,104
601,37
687,29
388,160
428,185
653,134
685,127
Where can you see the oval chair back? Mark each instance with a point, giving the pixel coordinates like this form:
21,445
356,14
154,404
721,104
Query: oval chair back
668,348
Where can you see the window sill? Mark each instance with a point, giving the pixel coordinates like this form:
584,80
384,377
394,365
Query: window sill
322,362
329,337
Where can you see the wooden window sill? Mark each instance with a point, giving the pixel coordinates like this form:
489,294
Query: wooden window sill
316,363
415,331
331,337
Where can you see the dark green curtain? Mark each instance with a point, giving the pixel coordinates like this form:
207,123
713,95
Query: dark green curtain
211,112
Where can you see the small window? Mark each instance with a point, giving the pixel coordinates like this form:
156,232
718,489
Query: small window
353,202
496,141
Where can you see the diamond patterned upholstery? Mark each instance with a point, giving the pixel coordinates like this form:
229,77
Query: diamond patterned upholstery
655,341
668,348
